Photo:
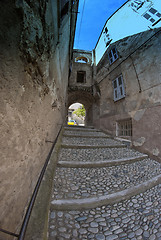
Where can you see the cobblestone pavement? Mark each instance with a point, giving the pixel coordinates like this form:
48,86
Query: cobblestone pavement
89,133
101,154
137,218
86,182
81,141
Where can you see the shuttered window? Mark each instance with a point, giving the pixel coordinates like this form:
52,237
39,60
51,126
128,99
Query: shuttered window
118,86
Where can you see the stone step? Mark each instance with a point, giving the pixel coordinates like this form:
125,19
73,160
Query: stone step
81,129
92,202
85,142
136,218
84,183
87,134
103,190
98,155
105,163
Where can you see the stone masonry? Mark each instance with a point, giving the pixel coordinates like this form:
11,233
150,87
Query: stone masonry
103,190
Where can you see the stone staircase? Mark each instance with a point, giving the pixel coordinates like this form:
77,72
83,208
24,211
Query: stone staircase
104,190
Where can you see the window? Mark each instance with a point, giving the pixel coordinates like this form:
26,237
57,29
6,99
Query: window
124,128
81,60
137,4
112,55
119,90
81,77
152,15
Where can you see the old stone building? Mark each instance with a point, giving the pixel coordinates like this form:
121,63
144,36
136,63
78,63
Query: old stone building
36,41
128,76
81,81
41,76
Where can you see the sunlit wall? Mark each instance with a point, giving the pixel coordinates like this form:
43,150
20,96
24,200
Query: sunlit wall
133,17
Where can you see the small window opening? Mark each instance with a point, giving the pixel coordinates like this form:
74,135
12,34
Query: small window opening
124,128
152,10
81,60
81,77
152,15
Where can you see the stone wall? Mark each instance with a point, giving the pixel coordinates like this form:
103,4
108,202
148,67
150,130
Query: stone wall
34,56
139,63
82,92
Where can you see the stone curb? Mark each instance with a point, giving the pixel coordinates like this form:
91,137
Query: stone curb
92,146
107,163
84,136
82,129
89,203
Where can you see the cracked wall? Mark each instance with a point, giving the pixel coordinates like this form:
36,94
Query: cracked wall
139,64
34,57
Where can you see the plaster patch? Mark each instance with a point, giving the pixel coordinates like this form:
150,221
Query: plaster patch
156,152
139,142
139,114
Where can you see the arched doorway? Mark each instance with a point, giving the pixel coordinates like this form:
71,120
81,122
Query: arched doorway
76,114
86,99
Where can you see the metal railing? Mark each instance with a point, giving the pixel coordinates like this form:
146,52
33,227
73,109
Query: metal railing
21,235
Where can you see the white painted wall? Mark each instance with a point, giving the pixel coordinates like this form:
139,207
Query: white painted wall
127,21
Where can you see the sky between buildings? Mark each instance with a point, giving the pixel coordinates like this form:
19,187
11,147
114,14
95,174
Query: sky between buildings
133,17
89,26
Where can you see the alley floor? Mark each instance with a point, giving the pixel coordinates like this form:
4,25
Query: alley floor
104,190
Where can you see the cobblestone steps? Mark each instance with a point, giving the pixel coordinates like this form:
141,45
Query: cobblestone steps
87,133
137,218
91,142
98,157
104,190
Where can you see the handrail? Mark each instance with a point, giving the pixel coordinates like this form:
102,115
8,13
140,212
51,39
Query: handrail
29,210
21,235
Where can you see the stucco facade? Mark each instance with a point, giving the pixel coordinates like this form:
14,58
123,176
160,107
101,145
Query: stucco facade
36,41
138,62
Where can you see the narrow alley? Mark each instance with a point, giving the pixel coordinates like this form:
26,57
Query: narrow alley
103,190
101,181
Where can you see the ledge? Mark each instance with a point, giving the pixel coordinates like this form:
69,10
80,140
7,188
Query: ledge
91,146
89,203
107,163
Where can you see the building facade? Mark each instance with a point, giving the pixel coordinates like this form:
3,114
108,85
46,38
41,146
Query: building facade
36,41
129,78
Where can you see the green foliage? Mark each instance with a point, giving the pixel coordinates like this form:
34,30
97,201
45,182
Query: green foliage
80,112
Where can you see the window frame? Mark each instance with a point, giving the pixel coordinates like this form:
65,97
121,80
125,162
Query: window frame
124,128
84,76
153,16
118,88
114,55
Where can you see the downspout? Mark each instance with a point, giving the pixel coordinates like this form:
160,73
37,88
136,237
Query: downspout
136,74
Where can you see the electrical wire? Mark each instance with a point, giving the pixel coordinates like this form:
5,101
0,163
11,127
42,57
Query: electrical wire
81,22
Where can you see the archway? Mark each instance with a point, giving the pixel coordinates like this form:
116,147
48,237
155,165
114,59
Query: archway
86,99
76,114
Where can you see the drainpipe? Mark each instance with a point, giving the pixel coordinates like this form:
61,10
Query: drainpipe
136,74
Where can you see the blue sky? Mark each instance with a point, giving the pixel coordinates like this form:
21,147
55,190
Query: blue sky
95,14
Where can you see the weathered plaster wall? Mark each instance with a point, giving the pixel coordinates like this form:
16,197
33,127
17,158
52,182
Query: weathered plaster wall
141,72
82,92
76,66
34,68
